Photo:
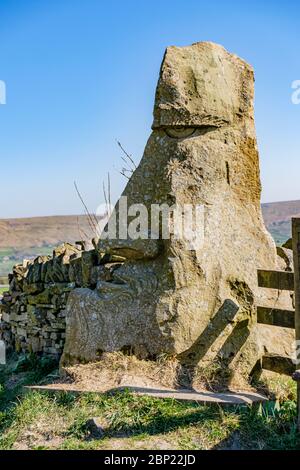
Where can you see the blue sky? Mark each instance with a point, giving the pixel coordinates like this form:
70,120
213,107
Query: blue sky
81,74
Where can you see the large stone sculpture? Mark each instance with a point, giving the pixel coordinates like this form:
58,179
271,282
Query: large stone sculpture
162,296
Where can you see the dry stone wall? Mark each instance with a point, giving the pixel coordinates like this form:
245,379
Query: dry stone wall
33,310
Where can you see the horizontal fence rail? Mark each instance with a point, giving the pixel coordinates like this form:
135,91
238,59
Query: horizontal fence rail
276,317
280,280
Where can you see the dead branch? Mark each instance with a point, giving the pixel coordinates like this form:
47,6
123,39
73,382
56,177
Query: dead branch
128,160
92,219
82,234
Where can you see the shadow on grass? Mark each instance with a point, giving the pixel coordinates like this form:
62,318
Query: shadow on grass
257,428
128,415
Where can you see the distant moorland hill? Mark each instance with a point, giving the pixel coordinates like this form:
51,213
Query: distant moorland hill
43,231
277,217
27,238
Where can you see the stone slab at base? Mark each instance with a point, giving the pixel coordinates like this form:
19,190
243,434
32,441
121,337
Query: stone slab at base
203,397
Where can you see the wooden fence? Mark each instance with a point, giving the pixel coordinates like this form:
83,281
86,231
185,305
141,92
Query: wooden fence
283,280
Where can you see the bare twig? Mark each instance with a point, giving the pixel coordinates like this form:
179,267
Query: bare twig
82,234
92,219
124,174
107,195
128,157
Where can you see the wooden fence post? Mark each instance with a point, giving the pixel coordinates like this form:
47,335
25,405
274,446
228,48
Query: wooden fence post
296,255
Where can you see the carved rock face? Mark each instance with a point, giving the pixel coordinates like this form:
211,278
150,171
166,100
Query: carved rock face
198,304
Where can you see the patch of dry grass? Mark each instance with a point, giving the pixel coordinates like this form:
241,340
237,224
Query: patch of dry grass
117,369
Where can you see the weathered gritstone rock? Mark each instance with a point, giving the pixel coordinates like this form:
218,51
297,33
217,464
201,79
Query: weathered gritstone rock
167,298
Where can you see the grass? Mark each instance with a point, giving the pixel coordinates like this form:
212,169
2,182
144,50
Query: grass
3,289
39,420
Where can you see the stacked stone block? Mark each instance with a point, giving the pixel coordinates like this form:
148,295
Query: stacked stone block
33,310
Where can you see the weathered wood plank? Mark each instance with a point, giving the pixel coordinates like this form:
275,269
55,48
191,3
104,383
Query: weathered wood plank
280,364
280,280
296,257
276,317
298,405
296,254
